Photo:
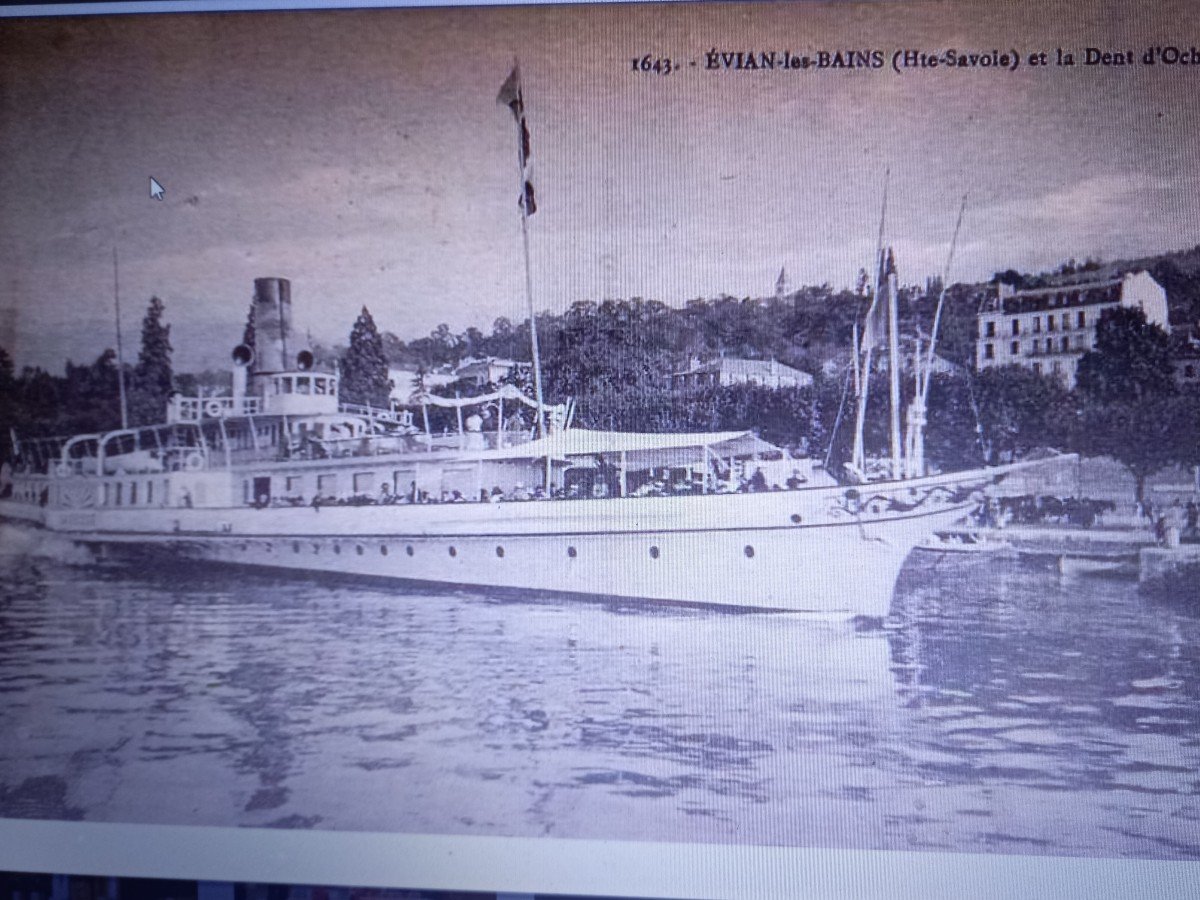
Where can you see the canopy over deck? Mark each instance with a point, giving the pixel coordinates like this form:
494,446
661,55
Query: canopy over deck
640,448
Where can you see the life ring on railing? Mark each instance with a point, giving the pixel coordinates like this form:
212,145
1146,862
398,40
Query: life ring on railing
193,462
64,470
214,408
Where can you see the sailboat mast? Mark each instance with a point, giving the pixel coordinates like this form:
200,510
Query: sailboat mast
120,355
858,456
894,371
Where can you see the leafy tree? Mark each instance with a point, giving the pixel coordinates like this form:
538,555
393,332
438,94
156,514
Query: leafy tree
1128,408
1131,361
8,404
1019,410
364,367
90,397
952,429
151,385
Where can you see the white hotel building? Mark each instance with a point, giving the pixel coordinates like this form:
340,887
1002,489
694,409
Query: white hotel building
1048,329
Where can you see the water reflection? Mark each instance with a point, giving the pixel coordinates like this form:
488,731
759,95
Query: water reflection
1000,709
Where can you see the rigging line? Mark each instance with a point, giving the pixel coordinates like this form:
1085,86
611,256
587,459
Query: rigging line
837,422
937,316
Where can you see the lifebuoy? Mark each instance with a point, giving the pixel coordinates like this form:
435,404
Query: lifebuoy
63,470
214,408
194,462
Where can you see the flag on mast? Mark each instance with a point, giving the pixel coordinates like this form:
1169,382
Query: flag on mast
510,95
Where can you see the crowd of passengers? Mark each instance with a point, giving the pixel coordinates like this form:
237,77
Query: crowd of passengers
606,485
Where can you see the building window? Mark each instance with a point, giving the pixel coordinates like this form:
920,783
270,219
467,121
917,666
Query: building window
1066,321
1066,344
1049,345
989,329
989,351
1016,348
1037,367
1037,324
1081,319
1049,323
1016,326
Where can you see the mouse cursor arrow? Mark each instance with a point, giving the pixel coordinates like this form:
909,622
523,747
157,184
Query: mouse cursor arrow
156,189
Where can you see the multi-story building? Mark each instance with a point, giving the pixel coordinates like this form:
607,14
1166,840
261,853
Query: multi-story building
1048,329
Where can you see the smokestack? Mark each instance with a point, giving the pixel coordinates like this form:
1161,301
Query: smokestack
272,325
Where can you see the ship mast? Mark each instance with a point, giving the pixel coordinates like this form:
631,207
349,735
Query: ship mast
511,96
870,337
894,369
120,357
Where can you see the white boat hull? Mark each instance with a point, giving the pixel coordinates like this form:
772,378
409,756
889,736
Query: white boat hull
822,550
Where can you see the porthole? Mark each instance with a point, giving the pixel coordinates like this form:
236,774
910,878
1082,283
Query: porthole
337,548
316,548
654,552
571,552
454,551
796,518
383,551
500,552
295,546
409,550
358,548
749,551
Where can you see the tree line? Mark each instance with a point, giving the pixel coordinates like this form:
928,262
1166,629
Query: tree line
615,360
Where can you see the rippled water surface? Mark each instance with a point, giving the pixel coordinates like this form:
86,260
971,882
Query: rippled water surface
1001,709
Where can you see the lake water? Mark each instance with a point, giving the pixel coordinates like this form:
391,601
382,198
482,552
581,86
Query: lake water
1000,709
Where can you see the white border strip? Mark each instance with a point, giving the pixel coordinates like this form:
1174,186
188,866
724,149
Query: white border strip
543,865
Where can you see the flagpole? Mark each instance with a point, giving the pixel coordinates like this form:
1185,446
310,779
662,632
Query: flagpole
512,96
533,335
120,357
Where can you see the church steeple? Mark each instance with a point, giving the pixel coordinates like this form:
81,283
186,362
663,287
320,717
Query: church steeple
783,284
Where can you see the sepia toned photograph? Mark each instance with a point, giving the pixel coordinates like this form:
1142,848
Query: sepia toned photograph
726,424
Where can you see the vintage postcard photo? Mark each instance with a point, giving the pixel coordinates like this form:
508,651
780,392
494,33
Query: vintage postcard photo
709,424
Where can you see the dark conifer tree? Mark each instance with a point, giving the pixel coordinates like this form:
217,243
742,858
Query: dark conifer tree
152,377
364,367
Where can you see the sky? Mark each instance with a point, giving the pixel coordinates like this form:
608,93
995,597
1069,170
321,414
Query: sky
362,155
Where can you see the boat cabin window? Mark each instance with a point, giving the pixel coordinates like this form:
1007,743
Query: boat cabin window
303,385
319,385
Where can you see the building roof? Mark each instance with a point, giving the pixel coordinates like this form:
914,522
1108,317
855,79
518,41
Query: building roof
750,368
1077,292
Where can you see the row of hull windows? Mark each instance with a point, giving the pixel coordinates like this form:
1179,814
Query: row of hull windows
1037,346
1052,323
451,550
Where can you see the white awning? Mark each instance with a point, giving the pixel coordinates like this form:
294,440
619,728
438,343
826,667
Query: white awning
647,449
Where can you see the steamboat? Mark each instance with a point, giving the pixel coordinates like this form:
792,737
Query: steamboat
281,474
